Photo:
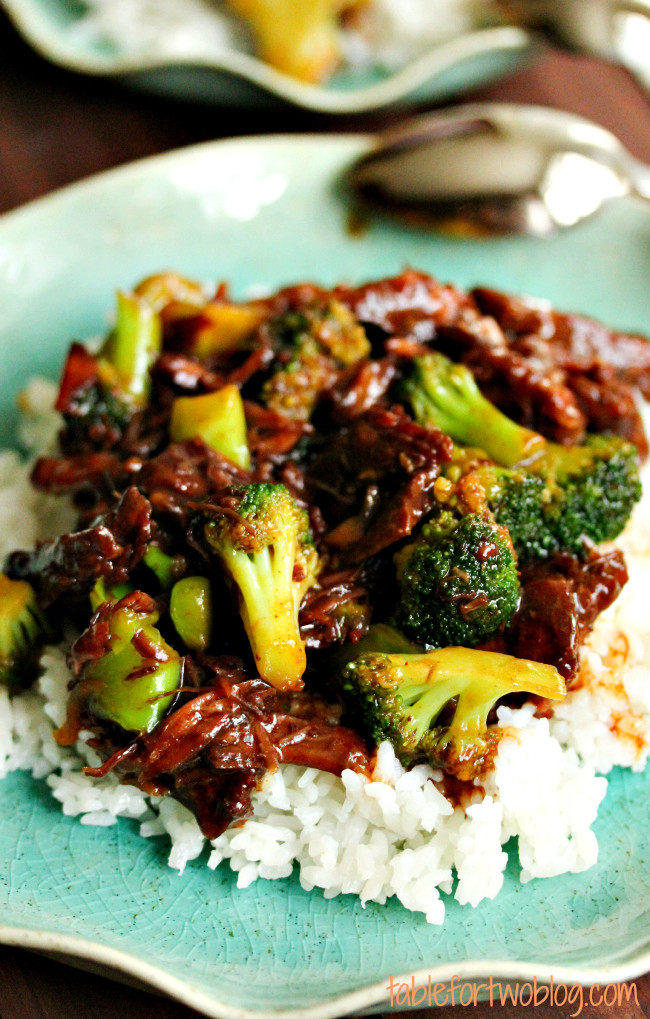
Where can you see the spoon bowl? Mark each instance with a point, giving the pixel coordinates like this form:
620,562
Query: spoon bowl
497,168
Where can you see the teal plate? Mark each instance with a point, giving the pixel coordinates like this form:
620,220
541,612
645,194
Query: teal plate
269,211
231,77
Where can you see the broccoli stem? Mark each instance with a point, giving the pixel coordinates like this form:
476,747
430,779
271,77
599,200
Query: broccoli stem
134,681
269,610
477,678
217,418
133,346
444,395
163,566
100,593
23,628
190,608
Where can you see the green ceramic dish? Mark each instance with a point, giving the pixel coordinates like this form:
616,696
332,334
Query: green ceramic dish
235,78
269,211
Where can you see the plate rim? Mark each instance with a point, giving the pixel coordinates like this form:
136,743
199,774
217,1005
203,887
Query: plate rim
168,157
371,996
28,19
635,964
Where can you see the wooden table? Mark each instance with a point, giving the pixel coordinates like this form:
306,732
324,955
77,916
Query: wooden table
56,128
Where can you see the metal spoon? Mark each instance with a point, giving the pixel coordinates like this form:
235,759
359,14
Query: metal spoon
497,168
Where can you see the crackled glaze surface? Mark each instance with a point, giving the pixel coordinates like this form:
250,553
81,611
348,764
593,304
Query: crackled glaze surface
268,211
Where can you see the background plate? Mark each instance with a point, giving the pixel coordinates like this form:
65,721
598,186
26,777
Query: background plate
235,78
269,211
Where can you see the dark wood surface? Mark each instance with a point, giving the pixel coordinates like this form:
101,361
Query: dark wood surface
56,128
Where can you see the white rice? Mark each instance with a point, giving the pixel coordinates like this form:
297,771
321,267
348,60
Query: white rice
395,833
391,31
27,515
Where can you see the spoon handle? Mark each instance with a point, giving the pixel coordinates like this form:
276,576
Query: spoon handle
635,7
639,177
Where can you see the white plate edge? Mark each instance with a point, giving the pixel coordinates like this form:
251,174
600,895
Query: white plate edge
355,141
27,17
367,997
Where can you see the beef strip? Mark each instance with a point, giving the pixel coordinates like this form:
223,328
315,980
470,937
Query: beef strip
412,304
600,366
561,599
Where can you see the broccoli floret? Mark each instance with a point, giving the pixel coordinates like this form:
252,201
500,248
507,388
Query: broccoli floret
434,706
580,493
23,628
99,394
518,500
262,539
312,345
593,489
383,638
458,581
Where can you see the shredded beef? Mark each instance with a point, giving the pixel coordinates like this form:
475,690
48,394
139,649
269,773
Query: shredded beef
336,610
185,375
574,341
363,386
363,469
375,482
522,387
71,564
271,434
213,750
184,473
94,472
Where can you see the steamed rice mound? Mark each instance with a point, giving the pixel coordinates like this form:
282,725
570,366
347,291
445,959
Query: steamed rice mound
394,833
